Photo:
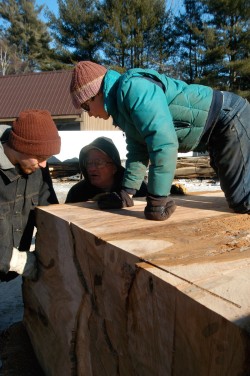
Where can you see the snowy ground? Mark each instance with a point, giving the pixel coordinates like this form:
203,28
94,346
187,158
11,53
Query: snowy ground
199,185
11,303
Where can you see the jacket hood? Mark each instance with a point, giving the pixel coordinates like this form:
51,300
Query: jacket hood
4,135
105,145
4,132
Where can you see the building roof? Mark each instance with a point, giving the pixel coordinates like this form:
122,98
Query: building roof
44,90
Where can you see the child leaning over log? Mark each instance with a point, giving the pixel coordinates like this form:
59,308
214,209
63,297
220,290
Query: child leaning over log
25,183
162,116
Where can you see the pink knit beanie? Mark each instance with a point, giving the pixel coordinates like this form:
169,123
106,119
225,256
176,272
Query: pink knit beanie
34,133
86,81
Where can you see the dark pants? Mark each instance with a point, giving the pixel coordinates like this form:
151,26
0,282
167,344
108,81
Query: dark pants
229,149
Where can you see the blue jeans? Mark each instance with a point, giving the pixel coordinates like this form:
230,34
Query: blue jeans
229,149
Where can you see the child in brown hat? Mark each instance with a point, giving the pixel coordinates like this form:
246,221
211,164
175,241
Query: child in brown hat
24,183
162,116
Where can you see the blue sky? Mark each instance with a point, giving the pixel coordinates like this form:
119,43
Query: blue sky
51,4
53,7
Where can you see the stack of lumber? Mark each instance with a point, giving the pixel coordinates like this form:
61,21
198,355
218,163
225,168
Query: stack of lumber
187,167
63,169
194,167
120,295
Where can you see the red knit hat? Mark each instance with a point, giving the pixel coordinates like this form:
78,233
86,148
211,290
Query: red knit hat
86,81
34,133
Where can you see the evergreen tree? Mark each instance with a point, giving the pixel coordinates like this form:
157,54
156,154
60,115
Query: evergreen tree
77,30
189,40
26,33
160,42
131,32
228,40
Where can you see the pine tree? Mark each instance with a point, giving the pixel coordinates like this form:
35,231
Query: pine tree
228,40
26,32
77,30
131,32
189,40
160,41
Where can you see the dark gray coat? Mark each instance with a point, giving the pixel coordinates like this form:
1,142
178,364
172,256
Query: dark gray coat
19,195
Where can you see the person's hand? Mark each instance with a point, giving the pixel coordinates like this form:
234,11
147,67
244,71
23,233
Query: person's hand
159,208
115,200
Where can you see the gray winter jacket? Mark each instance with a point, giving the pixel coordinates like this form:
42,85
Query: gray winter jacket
19,195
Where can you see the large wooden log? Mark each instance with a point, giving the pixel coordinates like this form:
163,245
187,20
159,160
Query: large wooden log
120,295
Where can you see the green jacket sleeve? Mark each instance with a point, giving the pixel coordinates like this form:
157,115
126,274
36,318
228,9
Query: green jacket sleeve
150,134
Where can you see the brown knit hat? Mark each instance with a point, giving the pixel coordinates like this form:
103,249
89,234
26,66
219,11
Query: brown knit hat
86,81
34,133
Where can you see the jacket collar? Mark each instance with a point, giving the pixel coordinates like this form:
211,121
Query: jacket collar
110,87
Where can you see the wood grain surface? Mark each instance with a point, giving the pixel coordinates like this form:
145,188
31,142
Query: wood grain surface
120,295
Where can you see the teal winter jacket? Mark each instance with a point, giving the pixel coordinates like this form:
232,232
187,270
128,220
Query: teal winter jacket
158,122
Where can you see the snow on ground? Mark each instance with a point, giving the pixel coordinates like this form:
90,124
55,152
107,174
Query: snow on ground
200,185
11,302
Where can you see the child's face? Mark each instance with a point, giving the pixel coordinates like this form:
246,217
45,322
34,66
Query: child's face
95,107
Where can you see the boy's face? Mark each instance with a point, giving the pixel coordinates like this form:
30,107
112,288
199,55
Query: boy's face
95,107
30,164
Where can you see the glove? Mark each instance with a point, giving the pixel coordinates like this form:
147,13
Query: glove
115,200
159,208
24,263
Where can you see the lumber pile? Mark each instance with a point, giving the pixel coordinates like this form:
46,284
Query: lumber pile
194,167
120,295
187,168
64,169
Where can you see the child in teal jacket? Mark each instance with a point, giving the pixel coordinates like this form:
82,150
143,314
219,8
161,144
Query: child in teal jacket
162,116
